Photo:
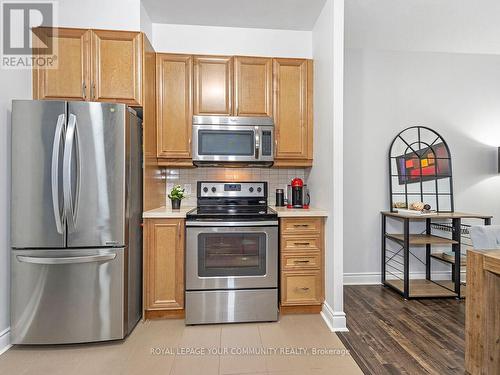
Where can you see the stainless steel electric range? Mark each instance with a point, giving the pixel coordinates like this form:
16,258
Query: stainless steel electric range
231,255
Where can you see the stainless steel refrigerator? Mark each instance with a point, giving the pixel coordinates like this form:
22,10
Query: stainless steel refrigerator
76,206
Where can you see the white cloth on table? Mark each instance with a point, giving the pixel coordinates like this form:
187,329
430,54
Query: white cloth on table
485,237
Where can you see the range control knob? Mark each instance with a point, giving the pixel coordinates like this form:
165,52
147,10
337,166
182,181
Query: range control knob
205,189
213,189
259,189
251,189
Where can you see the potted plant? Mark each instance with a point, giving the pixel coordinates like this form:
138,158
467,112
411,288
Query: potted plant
176,195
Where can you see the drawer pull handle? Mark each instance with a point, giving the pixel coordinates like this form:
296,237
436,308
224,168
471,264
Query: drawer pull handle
301,243
301,261
301,225
304,289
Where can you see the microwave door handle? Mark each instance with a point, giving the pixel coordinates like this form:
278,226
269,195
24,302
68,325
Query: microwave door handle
257,143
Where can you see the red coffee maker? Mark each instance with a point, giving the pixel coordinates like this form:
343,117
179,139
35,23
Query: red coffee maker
296,194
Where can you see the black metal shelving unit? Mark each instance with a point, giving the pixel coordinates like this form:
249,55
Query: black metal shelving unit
396,262
420,170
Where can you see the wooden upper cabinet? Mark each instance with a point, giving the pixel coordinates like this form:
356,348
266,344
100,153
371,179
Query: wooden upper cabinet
94,65
164,264
174,105
116,66
70,80
213,85
292,86
253,86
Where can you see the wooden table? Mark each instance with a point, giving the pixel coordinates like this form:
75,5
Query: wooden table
482,314
425,288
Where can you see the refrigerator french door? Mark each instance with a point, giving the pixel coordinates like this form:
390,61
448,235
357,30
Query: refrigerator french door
75,222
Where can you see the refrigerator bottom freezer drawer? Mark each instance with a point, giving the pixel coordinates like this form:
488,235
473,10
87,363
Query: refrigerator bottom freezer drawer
231,306
67,296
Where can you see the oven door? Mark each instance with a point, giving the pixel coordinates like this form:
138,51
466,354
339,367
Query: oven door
231,255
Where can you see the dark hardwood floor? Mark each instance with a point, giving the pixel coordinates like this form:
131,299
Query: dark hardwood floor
388,335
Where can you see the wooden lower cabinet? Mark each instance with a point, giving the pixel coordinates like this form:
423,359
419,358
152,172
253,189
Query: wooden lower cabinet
299,226
301,288
164,268
302,265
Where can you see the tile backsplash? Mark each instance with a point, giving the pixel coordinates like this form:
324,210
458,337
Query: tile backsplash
275,177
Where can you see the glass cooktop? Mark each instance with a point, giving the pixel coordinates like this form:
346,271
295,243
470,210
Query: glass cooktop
232,212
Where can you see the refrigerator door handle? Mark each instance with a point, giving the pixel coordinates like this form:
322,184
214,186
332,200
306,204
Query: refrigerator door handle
59,218
70,202
66,260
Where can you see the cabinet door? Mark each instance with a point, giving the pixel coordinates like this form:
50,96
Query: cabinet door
293,108
116,66
213,85
70,80
164,260
174,108
253,86
301,288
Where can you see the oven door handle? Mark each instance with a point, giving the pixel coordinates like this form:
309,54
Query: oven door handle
231,223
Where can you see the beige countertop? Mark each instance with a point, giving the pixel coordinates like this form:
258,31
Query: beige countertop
300,212
168,213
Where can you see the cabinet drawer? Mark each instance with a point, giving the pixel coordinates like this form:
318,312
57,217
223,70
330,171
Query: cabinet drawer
302,288
300,244
301,226
297,262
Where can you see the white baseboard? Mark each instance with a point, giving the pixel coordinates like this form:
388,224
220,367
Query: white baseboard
374,278
5,340
335,320
362,278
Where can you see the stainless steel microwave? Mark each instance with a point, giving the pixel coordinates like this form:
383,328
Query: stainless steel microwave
233,141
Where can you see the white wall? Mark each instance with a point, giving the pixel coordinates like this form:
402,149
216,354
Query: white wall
461,26
146,24
458,95
326,174
231,41
99,14
15,85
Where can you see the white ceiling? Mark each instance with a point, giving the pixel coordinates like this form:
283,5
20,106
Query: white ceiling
265,14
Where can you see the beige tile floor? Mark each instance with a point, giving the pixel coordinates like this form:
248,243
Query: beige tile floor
134,355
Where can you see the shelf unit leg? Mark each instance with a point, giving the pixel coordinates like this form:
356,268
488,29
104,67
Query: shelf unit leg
487,221
457,236
406,276
428,251
384,245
